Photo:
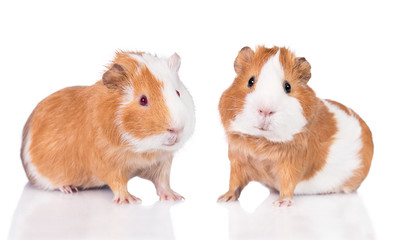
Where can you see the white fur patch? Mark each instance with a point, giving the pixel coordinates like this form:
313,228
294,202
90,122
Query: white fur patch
128,95
288,118
343,157
41,181
181,108
159,67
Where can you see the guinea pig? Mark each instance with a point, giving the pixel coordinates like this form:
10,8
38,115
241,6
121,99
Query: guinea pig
128,124
283,136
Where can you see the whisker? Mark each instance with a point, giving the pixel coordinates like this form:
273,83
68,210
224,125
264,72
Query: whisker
146,131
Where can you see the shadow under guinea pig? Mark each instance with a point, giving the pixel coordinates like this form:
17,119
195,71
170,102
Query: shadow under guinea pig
87,215
335,216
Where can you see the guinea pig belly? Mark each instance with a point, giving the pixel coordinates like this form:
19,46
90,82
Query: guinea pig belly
343,158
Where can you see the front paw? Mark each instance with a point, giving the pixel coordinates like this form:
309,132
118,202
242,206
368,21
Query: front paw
286,202
125,198
170,195
228,197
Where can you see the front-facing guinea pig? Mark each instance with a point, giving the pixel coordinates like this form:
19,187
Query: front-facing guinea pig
127,124
282,135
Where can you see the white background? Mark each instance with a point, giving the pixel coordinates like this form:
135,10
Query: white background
49,45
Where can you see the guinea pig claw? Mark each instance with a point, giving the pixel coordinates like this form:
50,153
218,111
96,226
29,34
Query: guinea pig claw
286,202
177,196
162,198
126,199
68,189
171,196
227,197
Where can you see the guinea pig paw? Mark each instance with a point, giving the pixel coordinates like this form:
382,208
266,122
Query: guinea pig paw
170,196
68,189
286,202
227,197
128,198
328,193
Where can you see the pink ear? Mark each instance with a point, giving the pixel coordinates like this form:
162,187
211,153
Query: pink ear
174,62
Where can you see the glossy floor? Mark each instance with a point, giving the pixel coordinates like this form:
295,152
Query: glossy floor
91,215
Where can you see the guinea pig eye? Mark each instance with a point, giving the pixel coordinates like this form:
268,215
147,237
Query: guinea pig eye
143,101
251,82
287,87
177,92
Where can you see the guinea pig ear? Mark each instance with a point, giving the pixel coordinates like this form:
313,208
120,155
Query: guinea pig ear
244,57
174,62
302,69
114,77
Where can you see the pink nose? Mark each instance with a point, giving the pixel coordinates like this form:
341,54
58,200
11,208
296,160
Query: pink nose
266,113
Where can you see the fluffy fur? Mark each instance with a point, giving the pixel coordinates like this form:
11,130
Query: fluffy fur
291,142
83,137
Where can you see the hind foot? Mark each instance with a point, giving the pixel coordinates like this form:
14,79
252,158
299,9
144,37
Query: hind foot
286,202
125,198
68,189
328,193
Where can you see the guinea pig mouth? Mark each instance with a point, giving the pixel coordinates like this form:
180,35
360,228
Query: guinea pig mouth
264,126
169,144
171,141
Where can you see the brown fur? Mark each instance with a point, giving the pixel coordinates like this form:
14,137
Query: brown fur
75,139
282,166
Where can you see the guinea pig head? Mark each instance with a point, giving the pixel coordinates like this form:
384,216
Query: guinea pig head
269,97
155,110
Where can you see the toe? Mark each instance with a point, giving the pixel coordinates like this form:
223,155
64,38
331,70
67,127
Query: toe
68,189
170,196
177,196
228,197
287,202
136,200
126,199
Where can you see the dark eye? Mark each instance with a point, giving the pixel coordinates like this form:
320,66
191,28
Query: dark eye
251,82
177,92
143,101
287,87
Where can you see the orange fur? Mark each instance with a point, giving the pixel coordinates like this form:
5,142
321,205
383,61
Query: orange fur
282,166
143,121
75,139
366,153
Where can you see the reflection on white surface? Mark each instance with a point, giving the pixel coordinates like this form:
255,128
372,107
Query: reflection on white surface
88,214
337,216
91,214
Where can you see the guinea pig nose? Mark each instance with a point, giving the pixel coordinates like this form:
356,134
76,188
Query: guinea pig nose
266,113
175,130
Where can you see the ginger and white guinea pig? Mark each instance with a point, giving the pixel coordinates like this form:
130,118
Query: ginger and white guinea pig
282,135
128,124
